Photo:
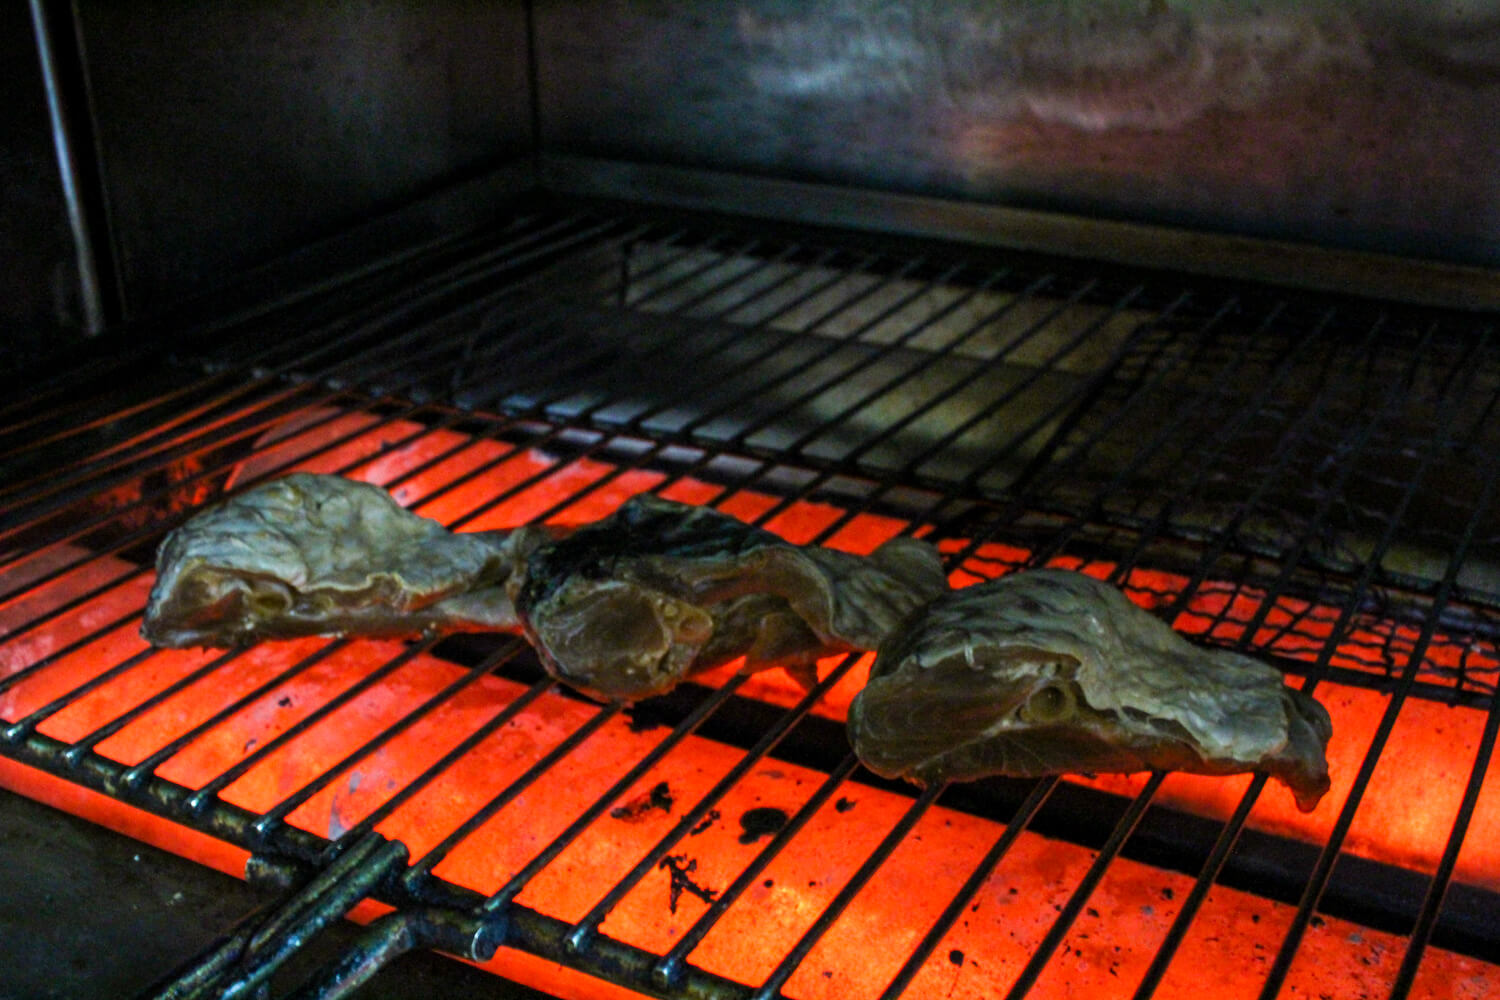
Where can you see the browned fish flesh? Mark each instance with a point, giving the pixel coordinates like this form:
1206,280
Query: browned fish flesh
1049,671
627,607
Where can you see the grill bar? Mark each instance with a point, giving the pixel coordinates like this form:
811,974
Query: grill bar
497,385
499,901
585,931
264,946
1017,825
73,418
1222,848
151,498
772,986
831,349
16,729
721,409
506,305
1228,373
137,774
1074,907
453,289
278,814
955,433
52,492
200,799
30,722
1437,890
881,388
422,871
668,972
420,782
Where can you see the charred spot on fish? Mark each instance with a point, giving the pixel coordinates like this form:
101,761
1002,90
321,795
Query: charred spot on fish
764,821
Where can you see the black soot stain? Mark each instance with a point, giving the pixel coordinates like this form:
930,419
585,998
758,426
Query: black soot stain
680,868
761,822
660,797
844,805
705,823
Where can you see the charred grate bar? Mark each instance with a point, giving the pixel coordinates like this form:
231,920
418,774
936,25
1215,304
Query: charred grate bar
1295,476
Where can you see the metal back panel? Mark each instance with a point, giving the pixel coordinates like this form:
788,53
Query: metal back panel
1360,125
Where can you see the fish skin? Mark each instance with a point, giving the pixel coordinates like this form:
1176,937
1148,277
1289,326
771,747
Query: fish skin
623,608
311,554
1049,671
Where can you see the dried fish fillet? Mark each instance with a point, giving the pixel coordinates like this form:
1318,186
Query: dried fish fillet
628,606
322,555
1049,671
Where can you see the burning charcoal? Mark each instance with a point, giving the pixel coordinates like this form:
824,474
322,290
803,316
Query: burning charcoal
322,555
1049,671
627,607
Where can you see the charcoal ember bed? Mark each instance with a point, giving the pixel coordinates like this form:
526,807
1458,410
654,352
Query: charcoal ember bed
1303,478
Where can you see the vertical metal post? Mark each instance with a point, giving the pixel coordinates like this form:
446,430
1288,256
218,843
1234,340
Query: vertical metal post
72,140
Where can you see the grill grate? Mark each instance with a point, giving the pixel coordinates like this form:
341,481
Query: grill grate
1298,476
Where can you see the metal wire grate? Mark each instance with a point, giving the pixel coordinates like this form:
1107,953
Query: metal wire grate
1300,477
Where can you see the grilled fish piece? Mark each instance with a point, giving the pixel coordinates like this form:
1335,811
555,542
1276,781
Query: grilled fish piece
626,607
1050,671
322,555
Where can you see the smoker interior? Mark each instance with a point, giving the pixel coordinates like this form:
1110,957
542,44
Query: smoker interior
1302,477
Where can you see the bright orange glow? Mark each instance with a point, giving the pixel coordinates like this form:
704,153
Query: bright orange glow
1404,819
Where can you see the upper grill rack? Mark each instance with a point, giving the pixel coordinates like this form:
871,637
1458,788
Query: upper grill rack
1301,476
1136,408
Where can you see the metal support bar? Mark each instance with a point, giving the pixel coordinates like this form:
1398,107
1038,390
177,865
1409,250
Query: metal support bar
240,964
396,934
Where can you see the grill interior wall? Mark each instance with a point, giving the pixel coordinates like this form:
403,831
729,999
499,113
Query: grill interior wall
1297,475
